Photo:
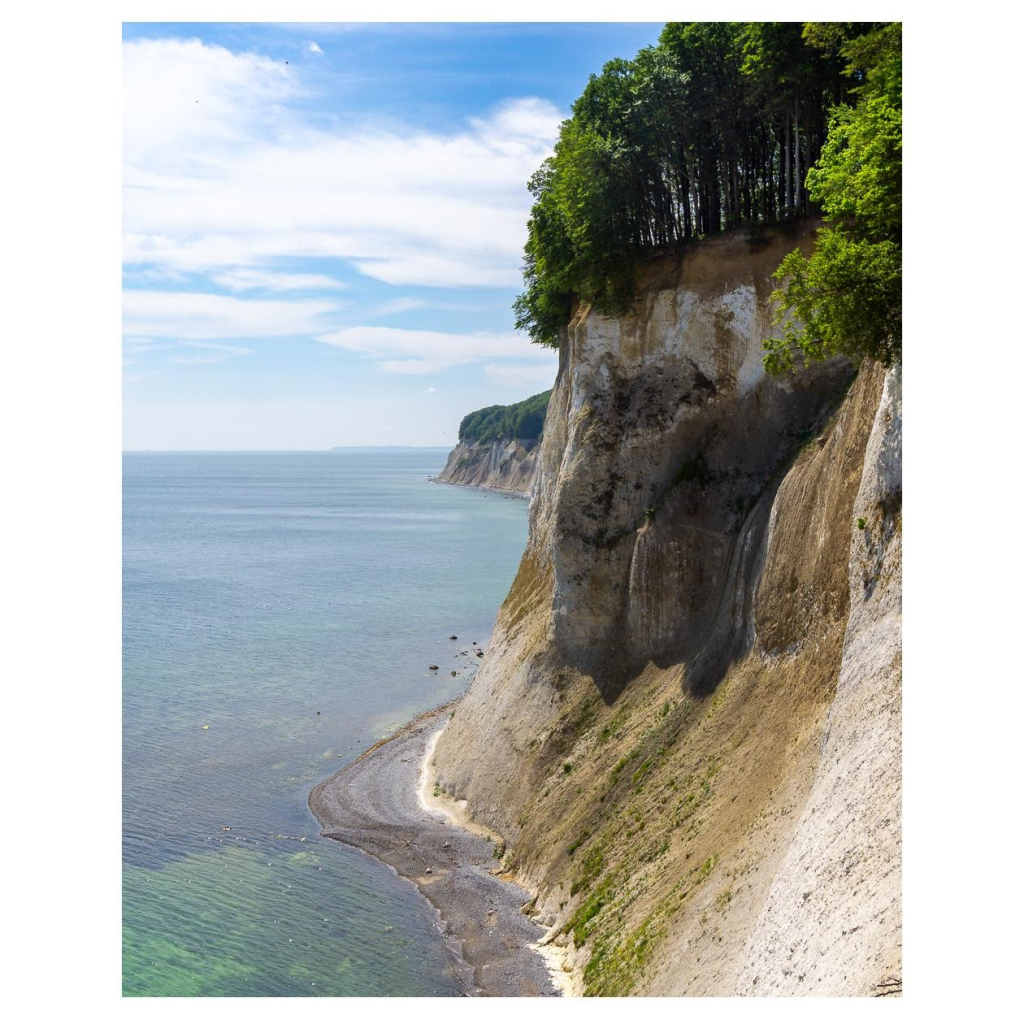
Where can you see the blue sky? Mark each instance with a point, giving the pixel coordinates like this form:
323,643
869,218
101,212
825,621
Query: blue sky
323,225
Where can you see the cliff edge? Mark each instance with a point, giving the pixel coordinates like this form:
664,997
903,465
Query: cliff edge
508,465
687,724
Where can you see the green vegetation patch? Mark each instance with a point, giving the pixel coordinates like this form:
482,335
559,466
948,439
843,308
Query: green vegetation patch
614,967
616,722
523,421
581,924
593,865
617,964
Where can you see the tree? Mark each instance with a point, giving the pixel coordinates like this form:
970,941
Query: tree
523,421
846,297
715,128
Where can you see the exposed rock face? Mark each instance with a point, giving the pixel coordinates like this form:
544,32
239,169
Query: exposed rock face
501,465
700,648
833,914
671,434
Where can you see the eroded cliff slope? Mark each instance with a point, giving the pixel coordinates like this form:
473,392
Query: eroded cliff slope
507,465
687,724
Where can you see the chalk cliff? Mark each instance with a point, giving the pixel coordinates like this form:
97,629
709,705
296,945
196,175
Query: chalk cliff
687,724
507,465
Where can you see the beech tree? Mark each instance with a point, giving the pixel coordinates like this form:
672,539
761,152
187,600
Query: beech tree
714,128
847,296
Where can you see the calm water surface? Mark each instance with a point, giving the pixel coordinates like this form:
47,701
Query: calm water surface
280,611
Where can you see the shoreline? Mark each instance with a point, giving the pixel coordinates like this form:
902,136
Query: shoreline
523,495
381,804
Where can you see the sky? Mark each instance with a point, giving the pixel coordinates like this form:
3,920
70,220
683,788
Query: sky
323,225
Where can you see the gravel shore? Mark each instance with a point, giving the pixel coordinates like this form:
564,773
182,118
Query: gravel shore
503,491
374,805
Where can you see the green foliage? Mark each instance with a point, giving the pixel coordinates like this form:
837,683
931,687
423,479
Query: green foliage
638,775
616,722
581,839
706,868
717,127
593,865
523,421
711,129
862,523
847,296
614,967
581,923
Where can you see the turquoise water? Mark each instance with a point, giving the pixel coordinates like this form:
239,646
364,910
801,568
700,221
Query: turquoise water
259,590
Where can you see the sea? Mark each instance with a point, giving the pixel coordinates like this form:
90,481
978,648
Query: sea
280,612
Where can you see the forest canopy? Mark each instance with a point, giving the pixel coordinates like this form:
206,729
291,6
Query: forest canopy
724,125
523,421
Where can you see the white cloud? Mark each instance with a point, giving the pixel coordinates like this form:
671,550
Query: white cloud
177,91
136,346
519,124
392,307
210,354
522,374
243,280
314,48
151,275
421,352
156,314
132,377
238,179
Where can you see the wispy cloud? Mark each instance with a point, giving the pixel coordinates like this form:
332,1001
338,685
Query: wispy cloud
421,352
244,280
221,172
393,307
197,315
130,377
137,346
211,353
312,47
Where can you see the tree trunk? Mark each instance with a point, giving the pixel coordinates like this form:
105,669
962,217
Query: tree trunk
737,214
807,157
687,223
691,172
798,183
788,177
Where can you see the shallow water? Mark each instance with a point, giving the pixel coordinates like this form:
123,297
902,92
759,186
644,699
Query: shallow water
259,590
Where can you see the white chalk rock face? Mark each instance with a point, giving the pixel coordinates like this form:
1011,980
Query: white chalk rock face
664,432
499,465
832,923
